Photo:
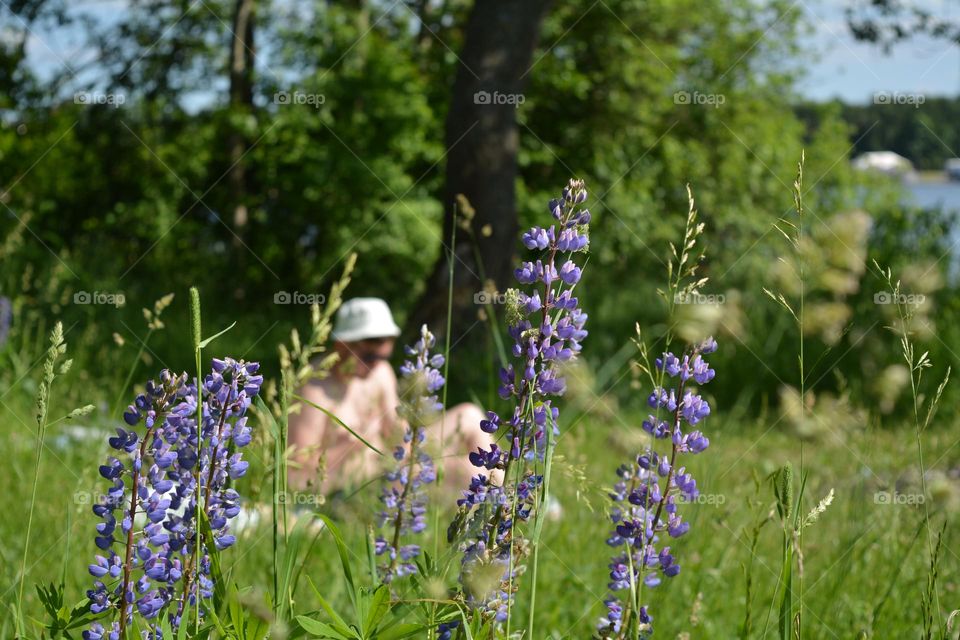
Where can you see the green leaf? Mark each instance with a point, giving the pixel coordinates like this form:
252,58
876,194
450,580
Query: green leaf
344,558
405,630
798,508
786,604
338,620
256,629
219,625
379,607
371,554
293,559
165,627
267,417
206,341
235,608
321,629
182,630
289,562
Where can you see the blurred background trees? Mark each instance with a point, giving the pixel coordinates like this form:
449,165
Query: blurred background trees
248,146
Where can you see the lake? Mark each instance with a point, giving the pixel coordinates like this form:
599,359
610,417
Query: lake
930,195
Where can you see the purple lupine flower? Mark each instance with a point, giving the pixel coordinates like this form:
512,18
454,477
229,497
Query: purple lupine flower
648,493
98,632
445,630
546,327
403,494
6,318
162,564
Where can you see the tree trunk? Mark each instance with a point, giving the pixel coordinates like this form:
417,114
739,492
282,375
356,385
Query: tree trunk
482,142
241,101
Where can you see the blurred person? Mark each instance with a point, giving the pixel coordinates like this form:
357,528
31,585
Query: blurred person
361,391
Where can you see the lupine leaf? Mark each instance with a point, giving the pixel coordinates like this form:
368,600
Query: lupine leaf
379,606
320,629
405,630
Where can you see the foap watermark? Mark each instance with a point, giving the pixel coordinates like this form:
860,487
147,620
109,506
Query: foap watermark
486,97
709,499
489,297
896,498
114,298
700,99
299,98
906,299
297,297
298,498
899,98
699,298
114,100
83,498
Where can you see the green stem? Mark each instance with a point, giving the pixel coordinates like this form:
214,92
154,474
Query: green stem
33,502
538,527
281,462
803,410
631,620
923,480
446,374
197,351
513,524
277,455
43,403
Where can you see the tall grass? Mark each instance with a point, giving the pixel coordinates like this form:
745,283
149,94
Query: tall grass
791,622
332,591
56,349
916,366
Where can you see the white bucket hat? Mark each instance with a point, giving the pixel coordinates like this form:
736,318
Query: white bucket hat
362,319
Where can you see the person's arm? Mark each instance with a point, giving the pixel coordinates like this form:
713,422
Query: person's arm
305,433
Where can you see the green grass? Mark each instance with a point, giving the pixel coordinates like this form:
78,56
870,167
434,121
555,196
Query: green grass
864,565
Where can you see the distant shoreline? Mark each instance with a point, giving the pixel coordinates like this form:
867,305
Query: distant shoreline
929,176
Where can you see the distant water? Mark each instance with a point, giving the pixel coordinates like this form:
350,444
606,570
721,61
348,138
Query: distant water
930,195
944,195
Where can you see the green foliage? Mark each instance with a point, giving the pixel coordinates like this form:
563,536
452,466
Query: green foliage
373,616
925,134
62,617
143,187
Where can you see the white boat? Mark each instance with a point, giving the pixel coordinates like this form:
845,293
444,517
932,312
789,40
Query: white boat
886,162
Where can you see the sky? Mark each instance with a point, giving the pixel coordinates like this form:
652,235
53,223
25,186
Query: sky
854,71
839,66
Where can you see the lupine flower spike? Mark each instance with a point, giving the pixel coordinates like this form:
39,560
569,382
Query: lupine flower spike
403,496
547,327
148,529
648,493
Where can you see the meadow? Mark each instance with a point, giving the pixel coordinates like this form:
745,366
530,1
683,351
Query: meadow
712,348
864,566
839,530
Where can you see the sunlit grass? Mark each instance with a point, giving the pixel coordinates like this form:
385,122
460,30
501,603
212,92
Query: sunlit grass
863,562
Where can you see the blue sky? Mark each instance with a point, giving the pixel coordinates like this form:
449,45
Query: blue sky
854,71
839,66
